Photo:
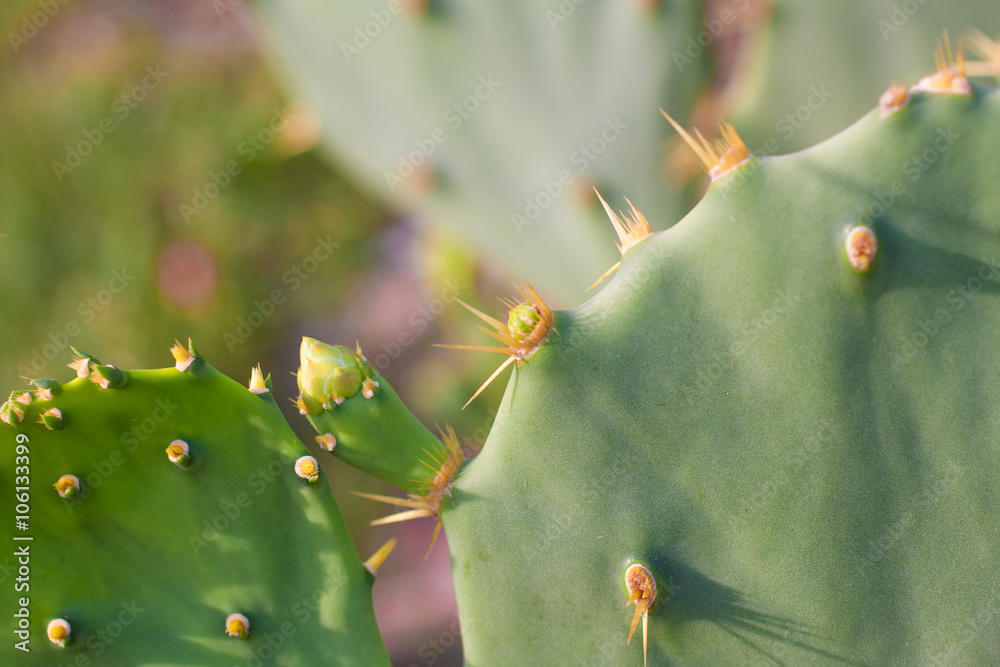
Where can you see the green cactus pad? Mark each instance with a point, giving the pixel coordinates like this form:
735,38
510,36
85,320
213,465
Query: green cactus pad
148,559
804,456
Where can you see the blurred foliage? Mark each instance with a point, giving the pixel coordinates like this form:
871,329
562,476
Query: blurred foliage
119,209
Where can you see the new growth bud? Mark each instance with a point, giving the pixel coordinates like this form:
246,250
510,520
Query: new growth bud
329,374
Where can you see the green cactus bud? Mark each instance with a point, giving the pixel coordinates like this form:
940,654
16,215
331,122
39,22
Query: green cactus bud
46,389
329,373
522,321
22,396
52,419
107,376
11,413
81,362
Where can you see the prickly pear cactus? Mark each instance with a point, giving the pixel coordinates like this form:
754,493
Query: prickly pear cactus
497,118
772,431
171,517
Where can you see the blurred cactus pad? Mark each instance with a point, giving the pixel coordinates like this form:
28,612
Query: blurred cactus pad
495,120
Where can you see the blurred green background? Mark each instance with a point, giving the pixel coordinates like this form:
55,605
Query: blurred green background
165,171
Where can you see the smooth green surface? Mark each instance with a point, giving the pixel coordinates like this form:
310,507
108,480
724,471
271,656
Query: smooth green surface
803,456
505,101
151,559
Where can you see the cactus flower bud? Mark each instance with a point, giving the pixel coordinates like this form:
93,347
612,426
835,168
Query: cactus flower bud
329,373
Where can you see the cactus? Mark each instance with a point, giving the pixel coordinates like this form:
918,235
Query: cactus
768,438
183,527
771,431
804,82
501,144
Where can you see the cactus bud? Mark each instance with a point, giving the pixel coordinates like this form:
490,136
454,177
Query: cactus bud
52,419
67,486
11,413
522,321
328,374
22,396
59,632
46,389
108,377
81,362
307,468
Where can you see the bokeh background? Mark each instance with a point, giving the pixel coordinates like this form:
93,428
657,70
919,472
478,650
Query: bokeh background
246,174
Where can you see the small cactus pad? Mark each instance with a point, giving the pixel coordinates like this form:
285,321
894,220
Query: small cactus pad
356,410
177,515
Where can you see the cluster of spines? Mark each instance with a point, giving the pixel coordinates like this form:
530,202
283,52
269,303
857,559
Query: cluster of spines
444,465
528,325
